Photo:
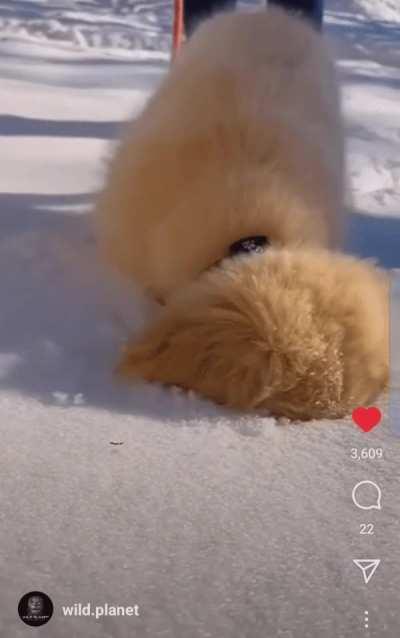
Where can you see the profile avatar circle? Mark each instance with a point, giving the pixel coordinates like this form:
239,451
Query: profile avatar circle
35,608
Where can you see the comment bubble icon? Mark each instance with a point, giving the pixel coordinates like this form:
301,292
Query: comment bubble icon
367,495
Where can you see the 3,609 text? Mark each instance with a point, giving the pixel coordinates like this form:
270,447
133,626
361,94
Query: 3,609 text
366,453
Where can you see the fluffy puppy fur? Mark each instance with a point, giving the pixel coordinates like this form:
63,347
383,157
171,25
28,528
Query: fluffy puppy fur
244,138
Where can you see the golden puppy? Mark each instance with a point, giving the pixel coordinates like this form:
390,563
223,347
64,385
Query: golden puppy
241,151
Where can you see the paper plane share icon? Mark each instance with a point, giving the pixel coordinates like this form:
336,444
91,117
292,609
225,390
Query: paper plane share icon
368,567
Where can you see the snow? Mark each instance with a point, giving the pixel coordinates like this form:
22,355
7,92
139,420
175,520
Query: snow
125,26
381,10
215,523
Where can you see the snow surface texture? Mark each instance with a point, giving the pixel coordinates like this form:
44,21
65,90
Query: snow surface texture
216,524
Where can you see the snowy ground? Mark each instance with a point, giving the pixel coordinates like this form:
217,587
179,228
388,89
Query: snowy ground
216,524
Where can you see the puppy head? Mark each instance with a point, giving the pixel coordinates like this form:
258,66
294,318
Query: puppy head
296,333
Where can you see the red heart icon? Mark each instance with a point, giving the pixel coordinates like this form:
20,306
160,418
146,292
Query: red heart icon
366,418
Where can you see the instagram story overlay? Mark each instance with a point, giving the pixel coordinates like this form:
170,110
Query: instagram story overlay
35,608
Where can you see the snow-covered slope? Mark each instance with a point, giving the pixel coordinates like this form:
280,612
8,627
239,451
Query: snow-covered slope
216,524
387,10
120,27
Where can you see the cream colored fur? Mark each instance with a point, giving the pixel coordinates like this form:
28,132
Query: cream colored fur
244,137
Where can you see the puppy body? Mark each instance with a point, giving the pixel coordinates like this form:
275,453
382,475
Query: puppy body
242,138
301,333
